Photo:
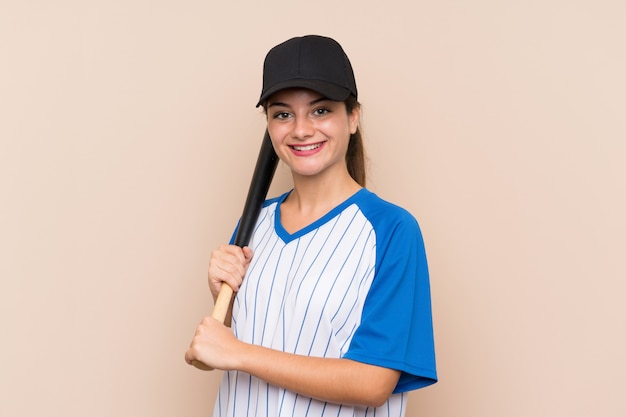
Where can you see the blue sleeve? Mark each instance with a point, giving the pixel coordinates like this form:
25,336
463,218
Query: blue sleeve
396,328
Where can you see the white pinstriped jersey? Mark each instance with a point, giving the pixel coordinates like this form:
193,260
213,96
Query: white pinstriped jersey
353,284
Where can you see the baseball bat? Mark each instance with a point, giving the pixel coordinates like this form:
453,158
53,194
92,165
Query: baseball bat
257,192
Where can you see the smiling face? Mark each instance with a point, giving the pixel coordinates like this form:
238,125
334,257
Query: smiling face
310,132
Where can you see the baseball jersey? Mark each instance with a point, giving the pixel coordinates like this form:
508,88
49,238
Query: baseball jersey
353,284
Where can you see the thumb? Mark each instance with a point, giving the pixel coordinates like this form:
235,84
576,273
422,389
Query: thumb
247,253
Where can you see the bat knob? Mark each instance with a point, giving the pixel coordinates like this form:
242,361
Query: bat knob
201,366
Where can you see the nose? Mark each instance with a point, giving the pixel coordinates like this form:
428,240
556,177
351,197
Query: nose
303,128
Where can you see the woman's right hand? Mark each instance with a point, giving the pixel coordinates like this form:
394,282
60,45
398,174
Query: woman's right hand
228,264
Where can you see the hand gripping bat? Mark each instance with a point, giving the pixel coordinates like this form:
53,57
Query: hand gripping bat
259,185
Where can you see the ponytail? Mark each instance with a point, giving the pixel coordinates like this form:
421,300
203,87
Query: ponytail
355,156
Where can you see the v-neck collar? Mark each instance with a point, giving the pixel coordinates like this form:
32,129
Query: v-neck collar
288,237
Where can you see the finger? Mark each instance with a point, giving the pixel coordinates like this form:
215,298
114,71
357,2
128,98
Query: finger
230,259
232,278
228,264
191,354
189,357
232,250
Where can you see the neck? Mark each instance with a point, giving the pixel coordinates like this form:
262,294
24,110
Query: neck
313,195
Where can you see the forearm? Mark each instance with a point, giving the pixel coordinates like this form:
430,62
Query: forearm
327,379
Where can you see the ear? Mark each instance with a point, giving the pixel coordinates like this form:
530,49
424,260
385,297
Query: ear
353,119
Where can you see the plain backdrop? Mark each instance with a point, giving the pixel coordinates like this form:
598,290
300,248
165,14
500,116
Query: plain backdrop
128,135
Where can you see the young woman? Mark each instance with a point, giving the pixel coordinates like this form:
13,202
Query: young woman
332,314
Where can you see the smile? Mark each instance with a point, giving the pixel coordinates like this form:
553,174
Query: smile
306,147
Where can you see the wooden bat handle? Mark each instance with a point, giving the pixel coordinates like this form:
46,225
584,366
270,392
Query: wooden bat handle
222,303
220,309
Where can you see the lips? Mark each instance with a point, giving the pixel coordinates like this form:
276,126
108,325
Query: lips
305,148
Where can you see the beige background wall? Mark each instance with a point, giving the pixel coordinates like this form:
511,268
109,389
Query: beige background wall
128,136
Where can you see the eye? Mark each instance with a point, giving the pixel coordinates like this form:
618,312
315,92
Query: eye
321,111
281,115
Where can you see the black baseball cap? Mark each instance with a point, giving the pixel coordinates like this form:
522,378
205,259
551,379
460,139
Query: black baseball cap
314,62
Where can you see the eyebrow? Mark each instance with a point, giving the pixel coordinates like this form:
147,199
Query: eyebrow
312,103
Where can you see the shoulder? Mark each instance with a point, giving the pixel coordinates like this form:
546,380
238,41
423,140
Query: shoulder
395,228
382,213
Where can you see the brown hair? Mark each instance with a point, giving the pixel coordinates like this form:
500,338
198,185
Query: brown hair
355,156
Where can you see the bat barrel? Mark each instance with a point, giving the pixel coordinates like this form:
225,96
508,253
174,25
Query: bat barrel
259,186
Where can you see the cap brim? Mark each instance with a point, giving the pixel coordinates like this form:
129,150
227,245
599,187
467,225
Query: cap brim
328,90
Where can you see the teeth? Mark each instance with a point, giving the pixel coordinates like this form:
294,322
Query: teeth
307,147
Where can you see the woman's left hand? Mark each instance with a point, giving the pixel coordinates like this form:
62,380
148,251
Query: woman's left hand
215,345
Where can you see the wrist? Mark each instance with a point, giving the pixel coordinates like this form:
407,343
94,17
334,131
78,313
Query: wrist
241,352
